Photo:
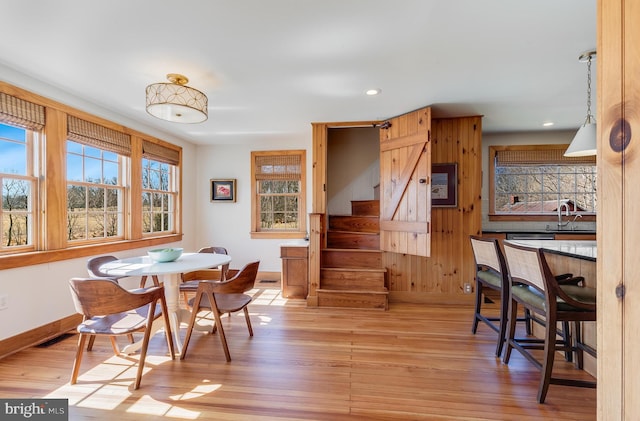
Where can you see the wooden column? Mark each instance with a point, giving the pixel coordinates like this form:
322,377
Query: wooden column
618,66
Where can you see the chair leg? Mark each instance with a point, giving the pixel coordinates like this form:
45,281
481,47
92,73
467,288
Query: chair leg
513,314
502,333
145,344
192,322
568,341
92,339
549,354
246,316
478,305
528,322
218,323
114,345
78,360
578,341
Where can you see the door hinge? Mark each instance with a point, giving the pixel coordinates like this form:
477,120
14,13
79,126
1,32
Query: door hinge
324,188
384,125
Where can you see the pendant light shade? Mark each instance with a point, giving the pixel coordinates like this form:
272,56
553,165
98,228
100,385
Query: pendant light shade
584,143
176,102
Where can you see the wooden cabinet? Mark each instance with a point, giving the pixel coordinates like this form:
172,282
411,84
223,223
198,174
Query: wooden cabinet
295,270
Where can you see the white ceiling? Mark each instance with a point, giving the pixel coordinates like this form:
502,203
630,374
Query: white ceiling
271,67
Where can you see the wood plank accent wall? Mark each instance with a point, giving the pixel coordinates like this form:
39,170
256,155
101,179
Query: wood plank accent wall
441,276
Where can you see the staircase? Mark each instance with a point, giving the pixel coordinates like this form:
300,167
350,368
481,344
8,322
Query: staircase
351,271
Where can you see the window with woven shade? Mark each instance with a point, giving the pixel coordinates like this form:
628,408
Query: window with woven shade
75,185
278,194
21,123
534,180
95,181
159,188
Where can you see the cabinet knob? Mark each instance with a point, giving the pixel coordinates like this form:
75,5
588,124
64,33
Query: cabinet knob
422,180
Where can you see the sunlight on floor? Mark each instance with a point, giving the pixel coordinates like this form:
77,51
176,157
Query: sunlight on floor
108,384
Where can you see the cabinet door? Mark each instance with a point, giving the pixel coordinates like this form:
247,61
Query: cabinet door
405,183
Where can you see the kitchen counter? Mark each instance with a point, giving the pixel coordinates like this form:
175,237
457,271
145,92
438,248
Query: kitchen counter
585,250
512,231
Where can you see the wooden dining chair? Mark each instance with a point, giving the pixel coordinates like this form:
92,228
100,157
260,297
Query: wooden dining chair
110,310
93,268
189,287
221,297
533,286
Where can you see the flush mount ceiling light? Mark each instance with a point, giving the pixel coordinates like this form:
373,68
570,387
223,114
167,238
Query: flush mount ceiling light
176,102
371,92
584,142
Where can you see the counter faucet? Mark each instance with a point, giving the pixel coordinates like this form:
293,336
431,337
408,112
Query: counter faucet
564,205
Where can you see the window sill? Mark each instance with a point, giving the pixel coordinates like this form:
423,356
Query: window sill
277,234
17,260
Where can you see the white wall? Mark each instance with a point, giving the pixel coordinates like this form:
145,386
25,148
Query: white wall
229,224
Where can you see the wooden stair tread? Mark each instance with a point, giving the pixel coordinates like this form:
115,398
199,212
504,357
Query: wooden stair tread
354,232
354,269
354,291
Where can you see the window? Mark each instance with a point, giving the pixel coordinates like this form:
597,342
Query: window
534,180
159,189
94,193
95,189
90,195
157,199
18,186
278,194
20,124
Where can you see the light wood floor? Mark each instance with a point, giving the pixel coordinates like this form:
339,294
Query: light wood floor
411,362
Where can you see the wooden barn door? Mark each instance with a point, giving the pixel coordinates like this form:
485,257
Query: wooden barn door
405,183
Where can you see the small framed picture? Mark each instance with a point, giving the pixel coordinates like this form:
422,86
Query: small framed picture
444,185
223,190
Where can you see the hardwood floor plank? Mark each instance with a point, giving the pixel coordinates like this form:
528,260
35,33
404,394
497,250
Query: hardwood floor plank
412,362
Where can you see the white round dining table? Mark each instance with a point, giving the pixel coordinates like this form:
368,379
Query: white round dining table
170,273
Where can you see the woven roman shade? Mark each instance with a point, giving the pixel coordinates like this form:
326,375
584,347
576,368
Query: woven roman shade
92,134
521,157
160,153
277,167
21,113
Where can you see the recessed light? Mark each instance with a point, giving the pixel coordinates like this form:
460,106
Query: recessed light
548,123
373,91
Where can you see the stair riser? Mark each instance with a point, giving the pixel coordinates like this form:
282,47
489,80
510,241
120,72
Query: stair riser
344,258
371,281
365,207
354,223
347,240
352,300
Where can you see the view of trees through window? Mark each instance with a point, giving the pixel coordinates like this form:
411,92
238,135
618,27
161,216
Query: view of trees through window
279,204
94,193
540,188
158,197
18,184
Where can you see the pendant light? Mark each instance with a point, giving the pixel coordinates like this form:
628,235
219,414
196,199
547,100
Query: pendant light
584,142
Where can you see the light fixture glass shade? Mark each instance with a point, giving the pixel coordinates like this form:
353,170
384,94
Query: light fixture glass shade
176,102
584,143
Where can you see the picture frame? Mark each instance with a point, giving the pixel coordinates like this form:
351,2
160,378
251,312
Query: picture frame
223,190
444,185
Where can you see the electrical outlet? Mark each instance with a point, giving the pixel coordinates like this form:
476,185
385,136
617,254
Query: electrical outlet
467,288
4,301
